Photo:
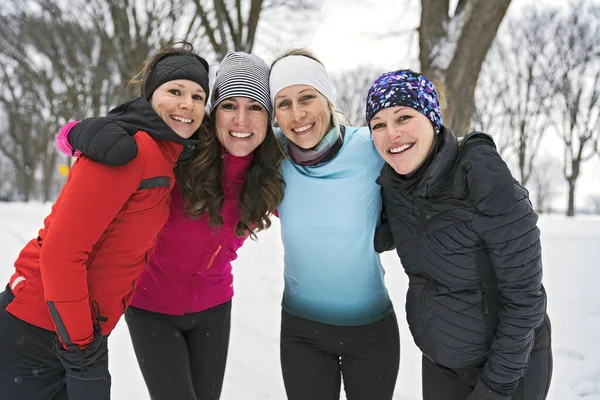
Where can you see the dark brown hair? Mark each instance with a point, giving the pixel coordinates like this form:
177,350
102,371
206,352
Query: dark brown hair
202,187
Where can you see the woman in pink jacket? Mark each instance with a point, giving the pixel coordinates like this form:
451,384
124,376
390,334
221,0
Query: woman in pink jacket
179,317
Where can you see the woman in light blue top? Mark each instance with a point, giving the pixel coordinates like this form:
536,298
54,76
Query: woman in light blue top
337,319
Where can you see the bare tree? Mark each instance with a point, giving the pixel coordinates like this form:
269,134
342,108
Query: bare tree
8,181
21,140
125,33
453,45
514,91
232,25
75,57
543,183
351,91
594,201
43,82
575,78
489,116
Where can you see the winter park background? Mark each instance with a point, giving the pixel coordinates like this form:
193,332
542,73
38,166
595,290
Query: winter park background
571,275
356,40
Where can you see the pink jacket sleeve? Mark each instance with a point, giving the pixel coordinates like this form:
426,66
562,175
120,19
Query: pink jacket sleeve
62,144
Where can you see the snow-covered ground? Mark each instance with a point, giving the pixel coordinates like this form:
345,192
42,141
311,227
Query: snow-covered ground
572,279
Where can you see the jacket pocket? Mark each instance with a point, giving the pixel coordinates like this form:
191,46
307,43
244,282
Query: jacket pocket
157,202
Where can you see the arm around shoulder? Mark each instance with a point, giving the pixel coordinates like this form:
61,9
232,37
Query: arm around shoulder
384,241
102,140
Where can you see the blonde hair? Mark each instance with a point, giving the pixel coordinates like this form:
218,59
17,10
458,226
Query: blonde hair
297,51
303,51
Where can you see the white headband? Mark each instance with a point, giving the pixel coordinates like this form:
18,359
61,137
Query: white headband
300,70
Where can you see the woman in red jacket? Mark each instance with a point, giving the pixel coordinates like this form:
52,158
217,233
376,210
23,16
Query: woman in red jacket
74,281
179,318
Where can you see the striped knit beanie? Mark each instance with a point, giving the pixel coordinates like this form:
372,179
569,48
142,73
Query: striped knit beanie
245,75
404,88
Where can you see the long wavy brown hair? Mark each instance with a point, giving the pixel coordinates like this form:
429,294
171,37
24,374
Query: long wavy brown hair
202,187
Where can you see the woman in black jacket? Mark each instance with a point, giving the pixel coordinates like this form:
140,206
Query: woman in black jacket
468,240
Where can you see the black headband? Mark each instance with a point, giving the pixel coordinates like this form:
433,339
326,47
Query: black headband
177,66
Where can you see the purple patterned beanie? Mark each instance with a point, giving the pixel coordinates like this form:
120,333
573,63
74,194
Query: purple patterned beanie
404,88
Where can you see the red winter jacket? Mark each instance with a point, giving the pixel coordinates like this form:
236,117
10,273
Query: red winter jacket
84,265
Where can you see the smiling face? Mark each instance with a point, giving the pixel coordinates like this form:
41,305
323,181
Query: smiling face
303,115
403,136
180,103
241,125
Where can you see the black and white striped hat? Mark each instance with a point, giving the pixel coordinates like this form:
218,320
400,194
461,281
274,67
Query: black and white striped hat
245,75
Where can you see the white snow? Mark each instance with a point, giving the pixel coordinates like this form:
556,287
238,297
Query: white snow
572,276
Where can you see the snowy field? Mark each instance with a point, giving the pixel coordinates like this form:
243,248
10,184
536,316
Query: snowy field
572,278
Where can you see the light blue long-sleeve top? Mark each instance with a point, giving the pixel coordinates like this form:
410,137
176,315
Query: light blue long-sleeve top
329,213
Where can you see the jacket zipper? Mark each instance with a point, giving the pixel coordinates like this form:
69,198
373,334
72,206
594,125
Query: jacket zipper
212,258
197,270
214,255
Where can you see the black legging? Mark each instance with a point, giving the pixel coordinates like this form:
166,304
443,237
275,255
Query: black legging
30,369
181,357
315,358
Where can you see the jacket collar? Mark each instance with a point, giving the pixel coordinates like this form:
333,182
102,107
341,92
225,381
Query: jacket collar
235,168
138,115
436,172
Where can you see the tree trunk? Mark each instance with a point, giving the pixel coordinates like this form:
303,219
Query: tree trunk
571,205
25,184
522,153
49,173
452,51
539,201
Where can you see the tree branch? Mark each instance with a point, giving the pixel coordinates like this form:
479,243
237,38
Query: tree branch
434,17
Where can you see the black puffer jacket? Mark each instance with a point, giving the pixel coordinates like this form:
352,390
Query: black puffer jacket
467,238
109,140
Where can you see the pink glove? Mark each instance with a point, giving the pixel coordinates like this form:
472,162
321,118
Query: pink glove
62,142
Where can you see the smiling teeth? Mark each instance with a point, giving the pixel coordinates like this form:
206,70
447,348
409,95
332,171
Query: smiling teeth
400,149
240,135
302,128
183,120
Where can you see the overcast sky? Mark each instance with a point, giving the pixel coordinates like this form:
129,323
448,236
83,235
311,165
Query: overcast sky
353,32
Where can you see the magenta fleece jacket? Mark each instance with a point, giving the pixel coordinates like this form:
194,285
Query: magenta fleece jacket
190,269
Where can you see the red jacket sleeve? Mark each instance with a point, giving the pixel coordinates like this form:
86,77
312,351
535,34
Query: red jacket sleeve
90,200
